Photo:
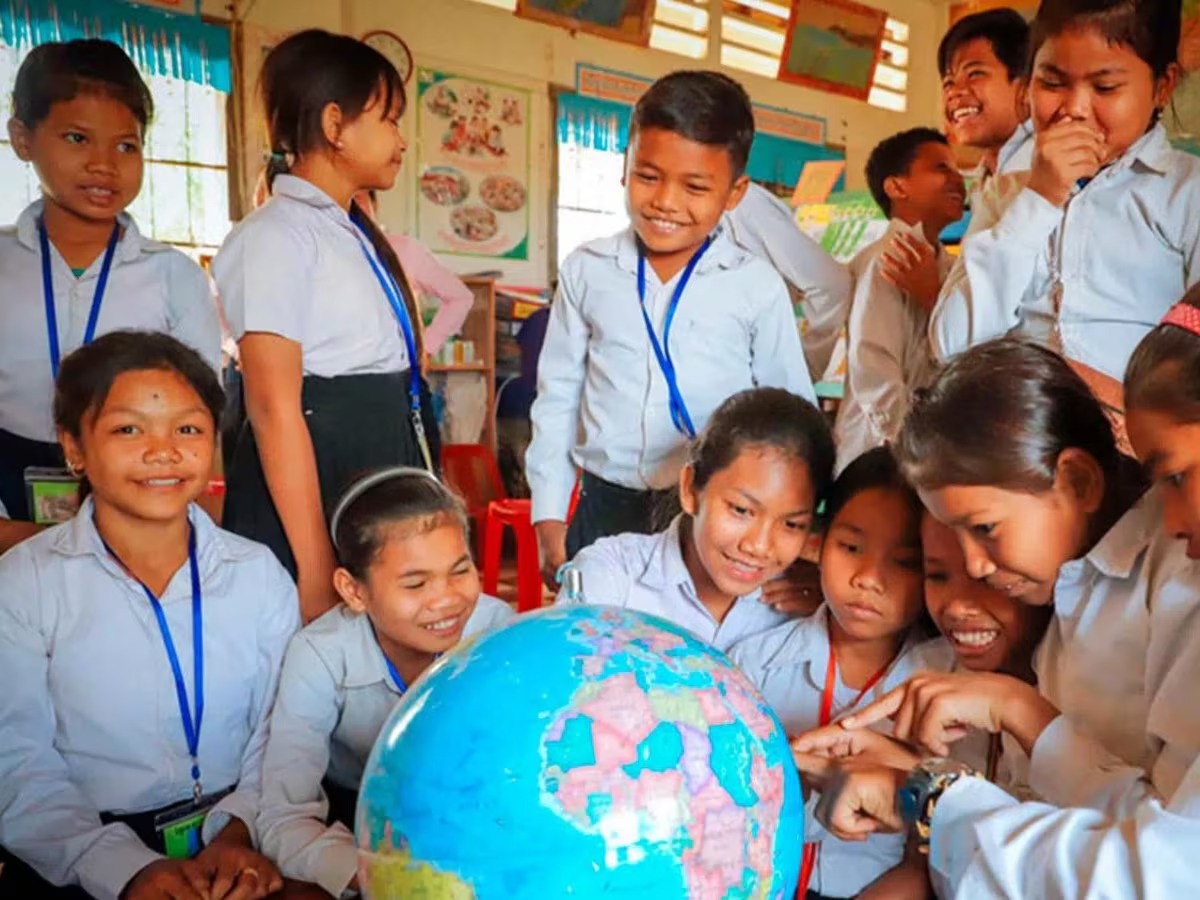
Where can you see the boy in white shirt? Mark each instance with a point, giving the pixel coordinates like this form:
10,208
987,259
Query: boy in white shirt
619,395
913,178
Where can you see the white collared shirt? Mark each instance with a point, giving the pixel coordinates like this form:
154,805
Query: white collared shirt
646,572
295,267
89,711
788,665
887,351
986,845
602,401
992,191
151,286
819,284
1120,253
1121,660
335,695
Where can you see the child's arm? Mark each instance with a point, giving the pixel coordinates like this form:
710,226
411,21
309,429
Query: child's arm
291,820
562,368
272,376
13,531
192,309
45,819
908,880
776,356
455,298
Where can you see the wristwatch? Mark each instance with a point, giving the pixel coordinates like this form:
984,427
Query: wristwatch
923,788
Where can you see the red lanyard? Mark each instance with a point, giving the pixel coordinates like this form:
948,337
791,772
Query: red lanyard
812,849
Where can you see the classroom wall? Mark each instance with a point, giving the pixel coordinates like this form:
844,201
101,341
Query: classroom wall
472,39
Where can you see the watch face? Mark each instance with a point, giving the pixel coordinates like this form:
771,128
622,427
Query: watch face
394,49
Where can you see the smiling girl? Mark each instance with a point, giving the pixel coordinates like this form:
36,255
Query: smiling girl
75,265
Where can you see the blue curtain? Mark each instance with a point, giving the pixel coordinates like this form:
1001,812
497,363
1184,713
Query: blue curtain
604,125
159,42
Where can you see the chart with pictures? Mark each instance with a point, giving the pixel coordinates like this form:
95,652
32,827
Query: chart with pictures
472,166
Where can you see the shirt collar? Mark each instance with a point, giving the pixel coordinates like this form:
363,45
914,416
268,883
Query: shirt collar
1117,553
665,567
806,645
131,245
1014,143
365,664
723,253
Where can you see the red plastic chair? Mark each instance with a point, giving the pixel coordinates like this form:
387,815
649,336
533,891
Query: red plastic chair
472,471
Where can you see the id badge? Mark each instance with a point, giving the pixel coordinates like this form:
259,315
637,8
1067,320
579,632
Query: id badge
53,495
180,826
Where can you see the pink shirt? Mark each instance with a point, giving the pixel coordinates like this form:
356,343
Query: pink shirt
430,277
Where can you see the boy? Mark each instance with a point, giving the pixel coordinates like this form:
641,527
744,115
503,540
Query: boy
652,328
913,178
982,60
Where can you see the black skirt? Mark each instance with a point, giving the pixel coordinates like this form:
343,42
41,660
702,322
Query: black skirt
16,455
357,423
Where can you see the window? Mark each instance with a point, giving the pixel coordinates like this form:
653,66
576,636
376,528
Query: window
184,199
753,33
590,201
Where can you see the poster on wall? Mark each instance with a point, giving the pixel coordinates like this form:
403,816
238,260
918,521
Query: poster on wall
473,155
618,20
1182,116
833,45
964,8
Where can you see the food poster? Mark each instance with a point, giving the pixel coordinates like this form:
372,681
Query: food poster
473,163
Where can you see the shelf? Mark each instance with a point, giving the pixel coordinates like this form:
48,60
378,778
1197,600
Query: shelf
458,367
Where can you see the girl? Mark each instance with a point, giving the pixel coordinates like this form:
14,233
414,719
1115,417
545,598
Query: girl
1125,629
749,493
80,111
411,593
867,638
1012,451
139,650
1105,235
325,321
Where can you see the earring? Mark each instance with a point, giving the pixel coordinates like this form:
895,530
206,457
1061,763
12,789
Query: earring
74,468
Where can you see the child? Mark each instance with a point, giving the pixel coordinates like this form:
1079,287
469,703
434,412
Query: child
820,285
429,278
749,491
325,320
1106,233
913,178
1011,450
989,631
411,593
108,784
866,639
80,111
982,61
617,397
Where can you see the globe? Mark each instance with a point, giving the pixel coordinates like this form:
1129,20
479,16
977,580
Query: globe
584,752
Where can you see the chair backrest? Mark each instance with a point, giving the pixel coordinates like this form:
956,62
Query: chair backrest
472,472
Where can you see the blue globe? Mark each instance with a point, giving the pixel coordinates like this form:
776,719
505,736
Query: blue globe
585,752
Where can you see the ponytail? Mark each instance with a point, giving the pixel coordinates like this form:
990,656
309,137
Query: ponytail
385,252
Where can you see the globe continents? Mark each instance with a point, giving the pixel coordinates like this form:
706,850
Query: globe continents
581,752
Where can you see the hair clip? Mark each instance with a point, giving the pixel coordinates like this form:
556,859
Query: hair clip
367,482
1185,316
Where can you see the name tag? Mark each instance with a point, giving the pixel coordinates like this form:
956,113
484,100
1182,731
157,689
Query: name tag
53,495
180,826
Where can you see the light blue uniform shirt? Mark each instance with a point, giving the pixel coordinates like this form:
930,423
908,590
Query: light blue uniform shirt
602,401
151,286
788,665
646,572
1090,279
88,708
335,694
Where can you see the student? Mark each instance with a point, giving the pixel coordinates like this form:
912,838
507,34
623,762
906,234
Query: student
102,768
982,60
989,631
620,394
913,178
324,317
867,638
820,285
429,278
749,492
410,593
1105,236
75,265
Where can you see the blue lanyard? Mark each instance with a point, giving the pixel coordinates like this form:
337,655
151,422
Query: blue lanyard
393,672
662,351
392,291
191,722
48,293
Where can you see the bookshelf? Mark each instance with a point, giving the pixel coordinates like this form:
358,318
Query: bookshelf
479,329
